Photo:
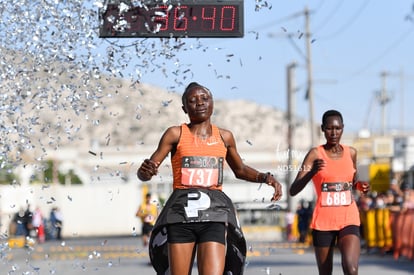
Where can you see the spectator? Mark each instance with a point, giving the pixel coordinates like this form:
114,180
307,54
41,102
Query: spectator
147,212
56,222
38,225
27,221
304,213
289,219
18,226
408,203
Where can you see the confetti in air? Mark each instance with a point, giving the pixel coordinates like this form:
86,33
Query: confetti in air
58,79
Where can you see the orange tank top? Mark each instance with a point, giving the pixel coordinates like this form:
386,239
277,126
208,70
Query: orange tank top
335,206
198,163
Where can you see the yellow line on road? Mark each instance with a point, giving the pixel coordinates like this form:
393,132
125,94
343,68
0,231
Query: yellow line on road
129,251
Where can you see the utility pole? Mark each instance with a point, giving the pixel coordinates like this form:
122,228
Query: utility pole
309,90
402,102
308,59
383,100
291,125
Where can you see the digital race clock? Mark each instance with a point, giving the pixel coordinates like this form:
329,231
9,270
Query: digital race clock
166,18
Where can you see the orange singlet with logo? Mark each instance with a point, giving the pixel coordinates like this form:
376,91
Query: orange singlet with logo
335,207
198,163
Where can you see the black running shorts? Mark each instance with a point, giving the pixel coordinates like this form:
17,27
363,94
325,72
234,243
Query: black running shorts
329,238
198,232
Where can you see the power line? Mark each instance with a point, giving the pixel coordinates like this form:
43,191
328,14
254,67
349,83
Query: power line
347,24
393,45
318,6
278,21
281,20
329,17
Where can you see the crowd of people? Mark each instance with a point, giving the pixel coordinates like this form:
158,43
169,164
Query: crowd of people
381,212
399,197
35,224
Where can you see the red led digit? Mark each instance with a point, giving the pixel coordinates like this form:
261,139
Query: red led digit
161,18
208,16
228,15
180,18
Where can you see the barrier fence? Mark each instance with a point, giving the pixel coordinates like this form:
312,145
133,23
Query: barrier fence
389,231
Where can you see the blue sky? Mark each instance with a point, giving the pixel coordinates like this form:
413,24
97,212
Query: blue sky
354,42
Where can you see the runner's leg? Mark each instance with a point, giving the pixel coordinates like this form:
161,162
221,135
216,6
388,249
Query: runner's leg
181,256
211,258
349,245
324,259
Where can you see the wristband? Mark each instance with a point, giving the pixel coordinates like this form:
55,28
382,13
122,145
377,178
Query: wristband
263,180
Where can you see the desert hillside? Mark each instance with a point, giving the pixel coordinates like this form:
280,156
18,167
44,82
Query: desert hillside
47,106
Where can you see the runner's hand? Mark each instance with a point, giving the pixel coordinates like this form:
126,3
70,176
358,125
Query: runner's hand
148,169
270,180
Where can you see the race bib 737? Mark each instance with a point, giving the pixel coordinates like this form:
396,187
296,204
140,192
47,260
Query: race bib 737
202,171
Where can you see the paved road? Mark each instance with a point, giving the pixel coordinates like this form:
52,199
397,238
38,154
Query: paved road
125,256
